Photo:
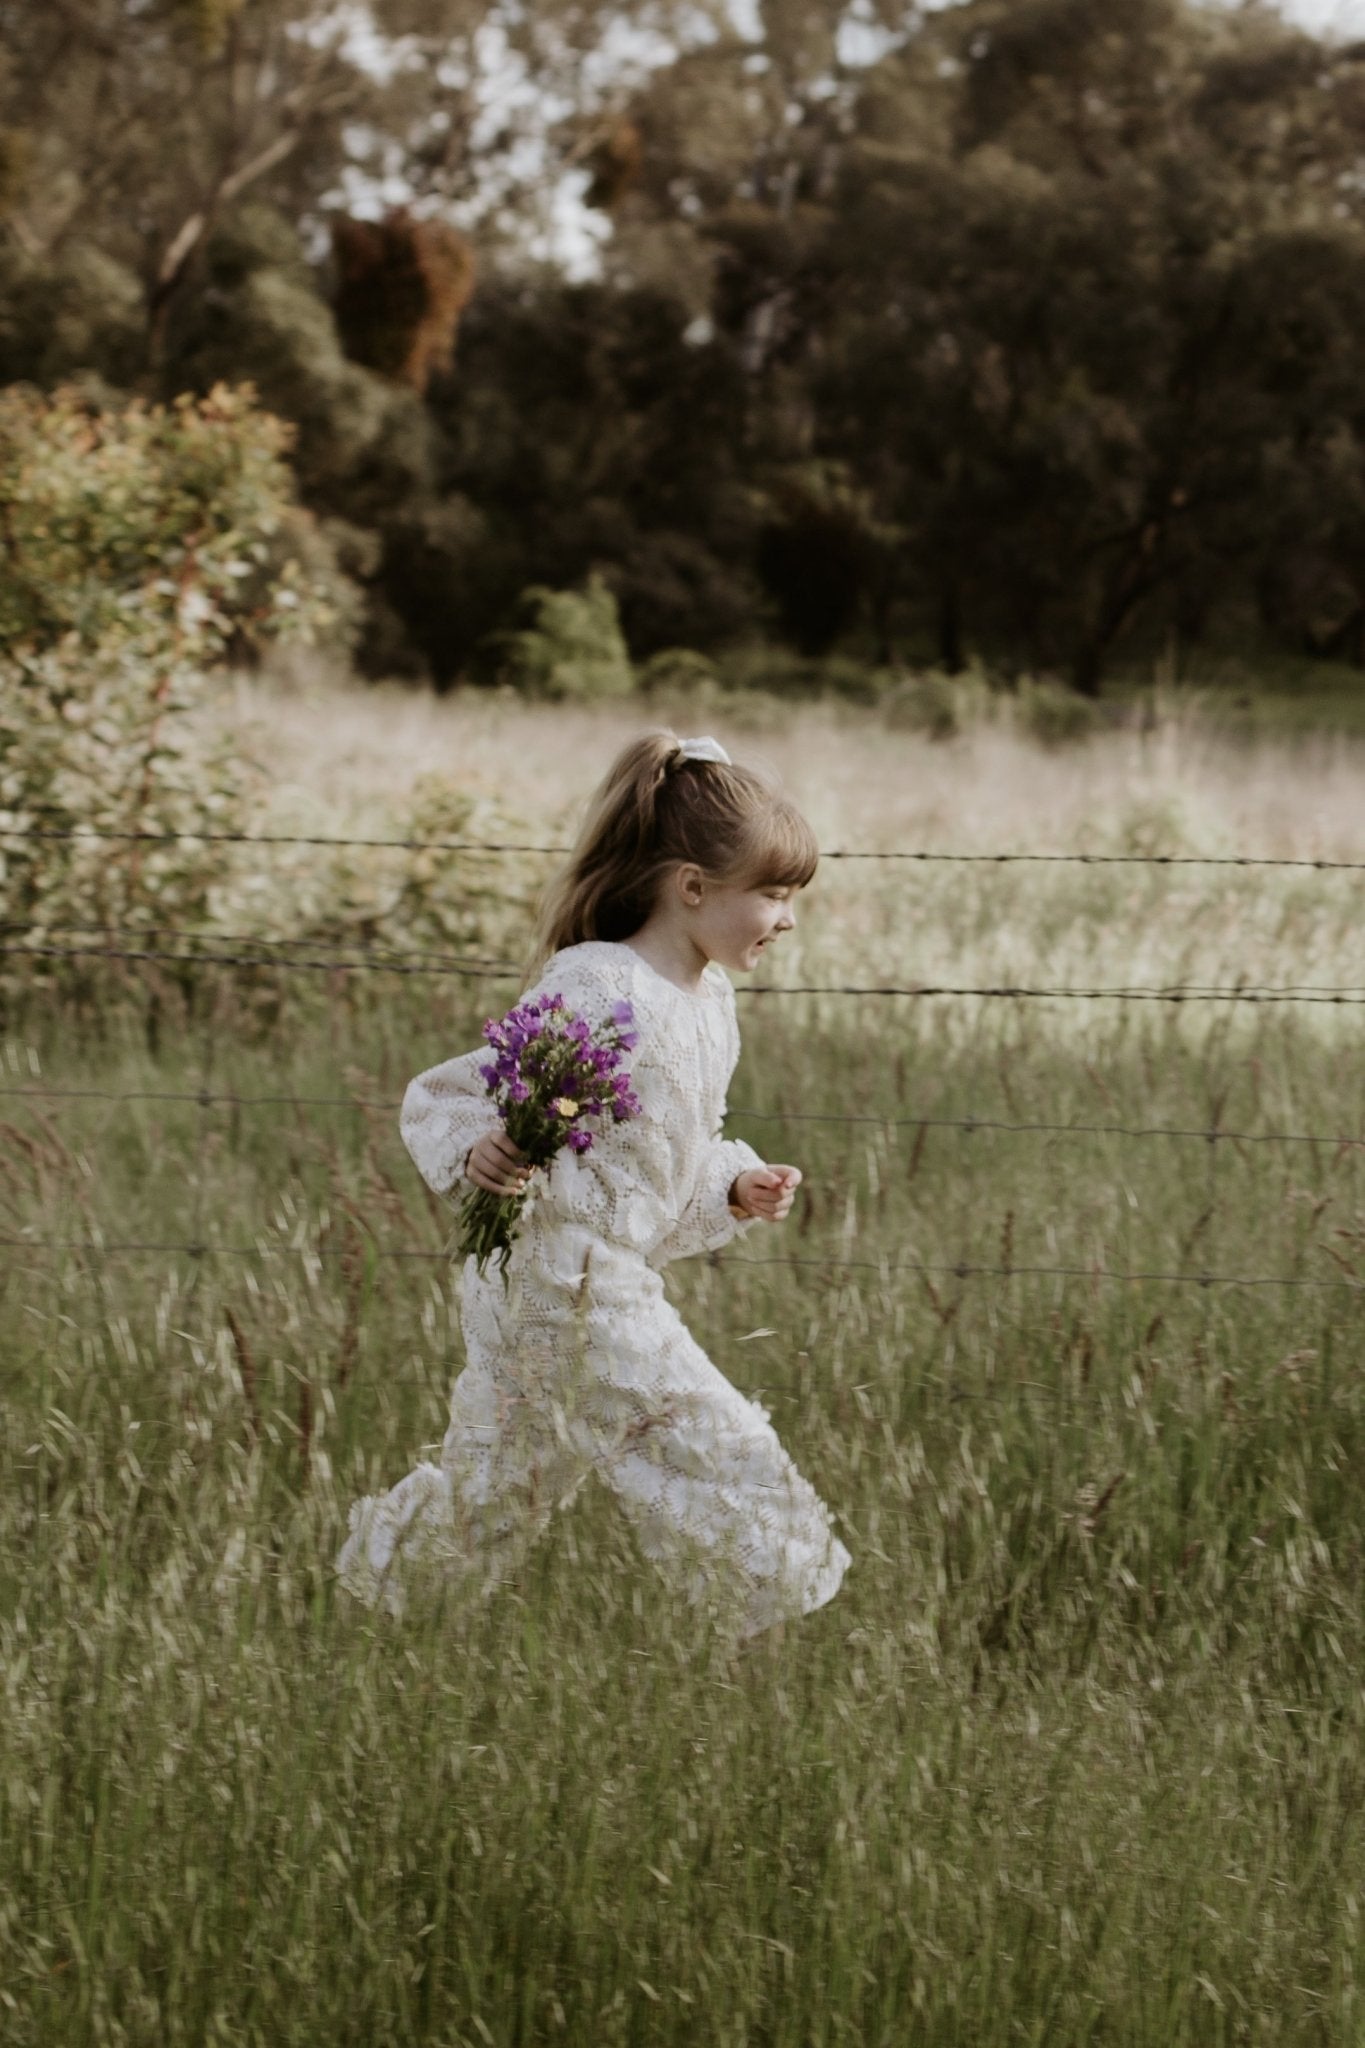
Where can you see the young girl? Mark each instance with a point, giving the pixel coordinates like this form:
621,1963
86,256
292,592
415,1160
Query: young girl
687,864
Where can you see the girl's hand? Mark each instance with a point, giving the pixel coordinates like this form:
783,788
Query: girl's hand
766,1191
497,1165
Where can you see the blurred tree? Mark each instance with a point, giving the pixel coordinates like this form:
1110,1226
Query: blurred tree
1023,336
591,432
135,129
1023,327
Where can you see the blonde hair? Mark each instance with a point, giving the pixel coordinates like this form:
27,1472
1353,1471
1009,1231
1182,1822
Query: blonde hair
653,810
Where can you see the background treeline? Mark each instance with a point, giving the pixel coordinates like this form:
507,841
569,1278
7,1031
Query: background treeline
1036,338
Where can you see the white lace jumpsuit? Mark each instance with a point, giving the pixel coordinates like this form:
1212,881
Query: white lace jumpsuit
581,1364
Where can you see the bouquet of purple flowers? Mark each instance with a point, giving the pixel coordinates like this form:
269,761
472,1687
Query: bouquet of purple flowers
549,1074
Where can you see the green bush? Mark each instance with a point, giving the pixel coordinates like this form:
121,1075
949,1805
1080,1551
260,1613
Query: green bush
571,646
142,543
1054,715
782,673
680,671
926,704
80,311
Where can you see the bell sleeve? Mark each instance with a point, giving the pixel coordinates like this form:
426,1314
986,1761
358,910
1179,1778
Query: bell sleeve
445,1112
448,1109
707,1222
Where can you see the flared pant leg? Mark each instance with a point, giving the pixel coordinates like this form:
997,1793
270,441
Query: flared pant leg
582,1365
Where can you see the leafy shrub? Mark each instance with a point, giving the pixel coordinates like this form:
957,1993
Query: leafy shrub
141,543
680,671
781,672
571,647
1054,715
417,896
925,704
79,311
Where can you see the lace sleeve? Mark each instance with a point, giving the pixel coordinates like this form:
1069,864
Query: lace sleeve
448,1109
445,1112
707,1221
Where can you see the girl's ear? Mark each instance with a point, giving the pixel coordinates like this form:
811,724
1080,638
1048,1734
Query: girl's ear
690,883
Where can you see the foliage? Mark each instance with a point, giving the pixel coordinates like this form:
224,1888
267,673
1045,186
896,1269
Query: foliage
139,127
1054,715
815,553
410,894
926,703
1031,337
680,669
257,314
82,311
140,544
571,646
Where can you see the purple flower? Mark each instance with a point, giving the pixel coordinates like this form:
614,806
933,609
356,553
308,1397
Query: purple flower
548,1071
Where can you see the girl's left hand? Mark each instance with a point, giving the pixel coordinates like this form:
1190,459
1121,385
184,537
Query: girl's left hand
766,1191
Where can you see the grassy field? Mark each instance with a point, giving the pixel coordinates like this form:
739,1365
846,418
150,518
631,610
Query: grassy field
1078,1754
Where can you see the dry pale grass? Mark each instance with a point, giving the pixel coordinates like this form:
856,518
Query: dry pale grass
1175,788
344,758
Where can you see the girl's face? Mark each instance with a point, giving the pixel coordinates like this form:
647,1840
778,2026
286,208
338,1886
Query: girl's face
737,926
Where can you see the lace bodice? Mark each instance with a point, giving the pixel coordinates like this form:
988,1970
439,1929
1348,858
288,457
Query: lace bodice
657,1185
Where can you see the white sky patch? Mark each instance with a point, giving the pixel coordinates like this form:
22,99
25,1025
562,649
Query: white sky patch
1331,19
626,52
349,28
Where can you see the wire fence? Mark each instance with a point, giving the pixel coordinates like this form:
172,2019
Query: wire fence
1314,864
968,1126
888,1269
367,960
336,955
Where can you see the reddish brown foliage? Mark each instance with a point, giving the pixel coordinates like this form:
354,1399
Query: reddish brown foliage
403,284
615,160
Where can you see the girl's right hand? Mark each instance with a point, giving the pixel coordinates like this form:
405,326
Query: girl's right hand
497,1165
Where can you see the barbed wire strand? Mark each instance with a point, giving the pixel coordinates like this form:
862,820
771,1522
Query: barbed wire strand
968,1125
960,1269
383,954
1351,996
276,964
370,947
1159,860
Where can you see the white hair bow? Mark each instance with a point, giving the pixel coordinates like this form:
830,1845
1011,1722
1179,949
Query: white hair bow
703,749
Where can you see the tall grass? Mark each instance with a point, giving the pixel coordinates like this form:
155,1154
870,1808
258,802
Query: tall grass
1076,1756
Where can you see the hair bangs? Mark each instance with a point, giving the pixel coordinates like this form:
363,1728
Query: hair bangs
782,849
